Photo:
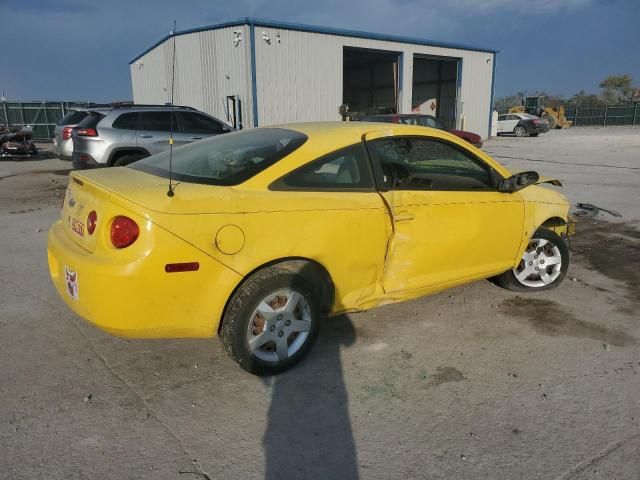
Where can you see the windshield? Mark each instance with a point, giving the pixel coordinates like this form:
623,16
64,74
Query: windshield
227,159
72,118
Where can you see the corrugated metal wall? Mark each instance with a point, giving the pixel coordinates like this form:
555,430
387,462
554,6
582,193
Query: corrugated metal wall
299,74
209,67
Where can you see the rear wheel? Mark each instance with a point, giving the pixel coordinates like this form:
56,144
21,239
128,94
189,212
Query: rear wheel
520,131
271,322
543,265
127,159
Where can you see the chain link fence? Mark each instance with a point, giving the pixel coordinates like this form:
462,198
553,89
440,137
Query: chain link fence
602,116
42,116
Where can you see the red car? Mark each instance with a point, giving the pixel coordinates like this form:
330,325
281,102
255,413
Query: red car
425,121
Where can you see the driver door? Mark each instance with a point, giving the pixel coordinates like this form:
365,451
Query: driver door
449,221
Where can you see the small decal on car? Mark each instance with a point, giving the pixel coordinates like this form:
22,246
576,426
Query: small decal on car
71,280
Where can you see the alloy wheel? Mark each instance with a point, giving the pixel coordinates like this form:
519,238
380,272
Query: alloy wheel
541,264
279,326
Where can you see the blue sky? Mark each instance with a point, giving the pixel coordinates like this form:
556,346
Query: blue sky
79,50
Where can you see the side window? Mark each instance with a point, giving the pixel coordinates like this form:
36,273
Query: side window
156,121
344,169
502,117
419,163
126,121
431,122
198,123
513,117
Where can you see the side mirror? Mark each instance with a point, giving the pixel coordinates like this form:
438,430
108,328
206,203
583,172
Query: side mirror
518,181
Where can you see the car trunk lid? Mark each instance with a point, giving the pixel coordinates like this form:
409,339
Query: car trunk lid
81,198
146,193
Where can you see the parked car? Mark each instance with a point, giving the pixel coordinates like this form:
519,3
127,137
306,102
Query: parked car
269,229
62,142
426,121
522,124
125,134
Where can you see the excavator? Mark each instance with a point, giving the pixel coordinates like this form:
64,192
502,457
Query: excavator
535,106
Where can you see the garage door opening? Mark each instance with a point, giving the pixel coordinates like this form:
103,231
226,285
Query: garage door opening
435,88
370,81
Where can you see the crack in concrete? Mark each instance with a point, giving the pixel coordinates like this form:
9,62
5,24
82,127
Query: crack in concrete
582,466
566,163
199,470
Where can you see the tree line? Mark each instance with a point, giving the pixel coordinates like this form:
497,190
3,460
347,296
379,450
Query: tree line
615,89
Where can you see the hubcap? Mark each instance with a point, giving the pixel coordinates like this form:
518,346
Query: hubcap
540,265
279,326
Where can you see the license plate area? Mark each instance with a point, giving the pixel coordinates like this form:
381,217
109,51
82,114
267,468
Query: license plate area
77,226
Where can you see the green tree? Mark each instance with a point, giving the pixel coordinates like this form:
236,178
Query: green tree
617,89
507,102
584,99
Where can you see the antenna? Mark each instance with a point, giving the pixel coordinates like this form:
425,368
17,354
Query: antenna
173,77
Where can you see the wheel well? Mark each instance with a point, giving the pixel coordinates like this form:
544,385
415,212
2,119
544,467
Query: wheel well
554,222
313,272
125,151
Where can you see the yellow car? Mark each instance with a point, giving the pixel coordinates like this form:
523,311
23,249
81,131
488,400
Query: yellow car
265,231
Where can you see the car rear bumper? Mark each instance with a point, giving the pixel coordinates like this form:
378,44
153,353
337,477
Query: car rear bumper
138,299
81,161
63,148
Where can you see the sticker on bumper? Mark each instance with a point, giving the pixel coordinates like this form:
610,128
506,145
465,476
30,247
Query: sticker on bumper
71,280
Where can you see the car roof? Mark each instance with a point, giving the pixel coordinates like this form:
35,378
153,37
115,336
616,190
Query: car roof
327,137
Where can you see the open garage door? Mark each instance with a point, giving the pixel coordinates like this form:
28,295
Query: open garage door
370,81
435,88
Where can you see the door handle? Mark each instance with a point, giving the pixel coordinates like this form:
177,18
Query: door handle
146,136
195,138
403,217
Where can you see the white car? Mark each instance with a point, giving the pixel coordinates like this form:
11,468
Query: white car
522,124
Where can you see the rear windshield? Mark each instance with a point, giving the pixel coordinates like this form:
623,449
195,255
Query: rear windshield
91,120
72,118
225,159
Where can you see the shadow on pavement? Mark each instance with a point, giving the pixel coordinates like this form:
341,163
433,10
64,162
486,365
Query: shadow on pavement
308,433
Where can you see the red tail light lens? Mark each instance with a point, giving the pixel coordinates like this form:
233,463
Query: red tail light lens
92,220
86,132
124,232
66,133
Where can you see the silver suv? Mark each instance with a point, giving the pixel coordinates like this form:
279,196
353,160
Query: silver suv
62,141
124,134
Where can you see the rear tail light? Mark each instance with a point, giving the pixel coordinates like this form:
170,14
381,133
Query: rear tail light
86,132
92,220
66,133
536,121
124,232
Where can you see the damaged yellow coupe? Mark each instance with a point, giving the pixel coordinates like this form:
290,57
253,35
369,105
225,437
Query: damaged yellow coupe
263,232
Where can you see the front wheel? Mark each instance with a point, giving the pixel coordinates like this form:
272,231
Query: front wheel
543,265
271,322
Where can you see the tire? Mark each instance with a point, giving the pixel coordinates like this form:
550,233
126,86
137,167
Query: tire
259,315
553,247
520,131
127,159
552,121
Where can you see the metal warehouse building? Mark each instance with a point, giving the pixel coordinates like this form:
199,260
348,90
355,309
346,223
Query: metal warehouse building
255,72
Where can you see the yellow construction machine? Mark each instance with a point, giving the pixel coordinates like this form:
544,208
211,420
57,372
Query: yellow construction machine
535,106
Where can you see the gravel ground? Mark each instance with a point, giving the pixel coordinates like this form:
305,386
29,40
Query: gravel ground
475,382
